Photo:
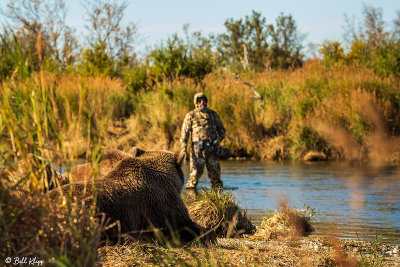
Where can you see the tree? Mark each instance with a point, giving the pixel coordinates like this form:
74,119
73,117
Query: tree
105,26
252,43
397,26
374,25
332,52
258,34
96,61
43,22
177,57
244,43
373,46
286,45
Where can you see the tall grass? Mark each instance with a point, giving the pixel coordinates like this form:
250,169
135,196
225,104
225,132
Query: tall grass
345,113
57,118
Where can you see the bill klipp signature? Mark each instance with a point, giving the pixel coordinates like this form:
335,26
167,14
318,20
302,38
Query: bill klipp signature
24,260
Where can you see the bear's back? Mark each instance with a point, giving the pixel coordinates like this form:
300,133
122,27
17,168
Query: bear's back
151,169
109,160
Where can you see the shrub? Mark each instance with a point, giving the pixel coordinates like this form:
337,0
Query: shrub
96,61
177,58
218,210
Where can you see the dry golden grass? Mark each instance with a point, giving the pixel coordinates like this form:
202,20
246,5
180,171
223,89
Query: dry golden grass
31,229
218,210
348,112
286,224
284,245
305,251
227,253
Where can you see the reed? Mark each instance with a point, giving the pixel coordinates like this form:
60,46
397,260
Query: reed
36,119
346,113
340,112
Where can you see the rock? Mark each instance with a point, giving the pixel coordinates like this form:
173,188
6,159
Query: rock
315,156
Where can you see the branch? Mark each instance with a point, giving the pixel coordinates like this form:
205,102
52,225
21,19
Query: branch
257,95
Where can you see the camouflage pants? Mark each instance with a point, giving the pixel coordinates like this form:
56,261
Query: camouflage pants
197,163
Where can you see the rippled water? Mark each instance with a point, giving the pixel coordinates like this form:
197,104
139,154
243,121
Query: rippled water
353,201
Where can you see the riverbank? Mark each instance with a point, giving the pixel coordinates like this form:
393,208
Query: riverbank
281,240
312,113
347,113
306,251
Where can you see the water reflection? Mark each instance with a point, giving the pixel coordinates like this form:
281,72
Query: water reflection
353,201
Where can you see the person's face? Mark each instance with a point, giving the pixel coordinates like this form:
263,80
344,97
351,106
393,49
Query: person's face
202,103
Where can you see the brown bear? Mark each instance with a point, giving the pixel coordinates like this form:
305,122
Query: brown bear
141,191
108,161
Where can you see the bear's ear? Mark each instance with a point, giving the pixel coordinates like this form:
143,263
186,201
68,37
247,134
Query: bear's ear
180,158
136,152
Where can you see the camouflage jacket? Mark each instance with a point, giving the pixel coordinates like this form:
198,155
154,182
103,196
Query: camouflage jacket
205,125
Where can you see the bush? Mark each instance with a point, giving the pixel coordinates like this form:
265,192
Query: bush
136,78
177,58
96,61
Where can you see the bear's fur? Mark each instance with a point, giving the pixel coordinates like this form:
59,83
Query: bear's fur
141,191
108,161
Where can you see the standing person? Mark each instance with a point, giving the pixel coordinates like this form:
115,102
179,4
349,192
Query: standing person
207,132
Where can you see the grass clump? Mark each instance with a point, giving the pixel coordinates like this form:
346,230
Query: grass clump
287,223
65,235
218,210
38,117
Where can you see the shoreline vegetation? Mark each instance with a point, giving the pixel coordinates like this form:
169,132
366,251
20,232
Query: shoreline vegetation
282,239
310,113
64,103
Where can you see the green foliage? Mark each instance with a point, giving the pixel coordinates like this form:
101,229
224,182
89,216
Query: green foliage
308,139
42,24
122,106
96,61
244,45
332,52
192,58
168,60
382,57
385,58
30,123
252,43
136,78
372,47
285,51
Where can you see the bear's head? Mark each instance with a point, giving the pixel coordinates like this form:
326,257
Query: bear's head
166,162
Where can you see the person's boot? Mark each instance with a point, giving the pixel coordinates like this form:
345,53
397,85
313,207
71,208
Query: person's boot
191,184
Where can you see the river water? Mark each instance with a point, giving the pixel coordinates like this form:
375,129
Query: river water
353,202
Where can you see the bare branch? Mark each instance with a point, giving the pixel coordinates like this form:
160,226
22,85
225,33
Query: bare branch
46,17
104,19
256,94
